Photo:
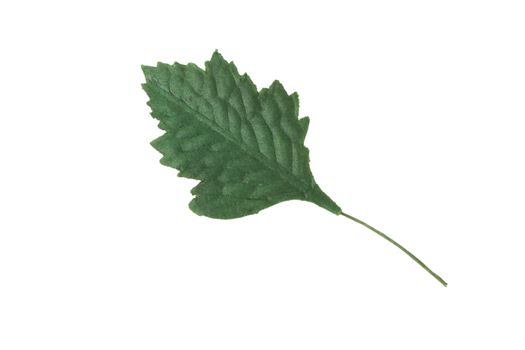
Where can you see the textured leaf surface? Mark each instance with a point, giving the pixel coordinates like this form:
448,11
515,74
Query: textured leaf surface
245,146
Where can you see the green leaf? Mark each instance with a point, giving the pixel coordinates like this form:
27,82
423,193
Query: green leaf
245,146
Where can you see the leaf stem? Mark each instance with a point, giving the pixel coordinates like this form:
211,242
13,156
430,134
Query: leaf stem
435,275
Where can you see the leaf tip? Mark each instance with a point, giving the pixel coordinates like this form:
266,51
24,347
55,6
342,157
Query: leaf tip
145,69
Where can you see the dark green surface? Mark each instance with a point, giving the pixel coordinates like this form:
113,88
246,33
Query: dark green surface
245,146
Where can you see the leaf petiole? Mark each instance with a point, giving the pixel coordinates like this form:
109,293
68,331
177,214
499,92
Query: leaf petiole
435,275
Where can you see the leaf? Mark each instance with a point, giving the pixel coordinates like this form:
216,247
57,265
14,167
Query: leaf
245,146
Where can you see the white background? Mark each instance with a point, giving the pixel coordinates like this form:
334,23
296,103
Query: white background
417,111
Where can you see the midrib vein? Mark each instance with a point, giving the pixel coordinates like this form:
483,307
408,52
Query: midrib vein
299,184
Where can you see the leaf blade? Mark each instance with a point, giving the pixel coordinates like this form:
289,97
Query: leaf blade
222,131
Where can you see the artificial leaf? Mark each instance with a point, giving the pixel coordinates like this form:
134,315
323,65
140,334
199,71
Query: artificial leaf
246,147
